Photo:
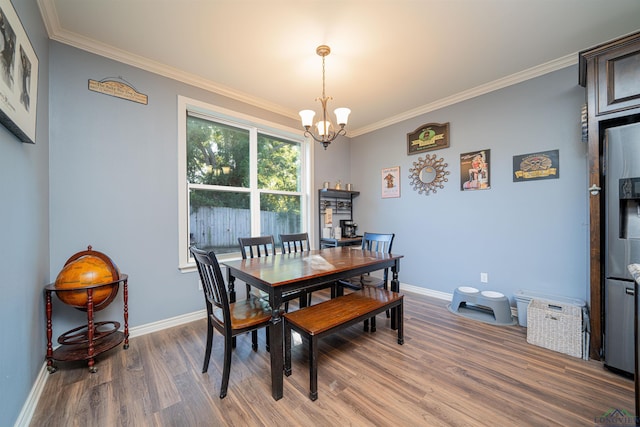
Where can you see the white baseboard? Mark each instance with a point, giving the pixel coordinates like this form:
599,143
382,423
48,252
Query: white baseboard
167,323
427,292
28,409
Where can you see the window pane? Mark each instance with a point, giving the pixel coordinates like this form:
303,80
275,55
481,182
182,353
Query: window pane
279,214
217,219
217,154
278,164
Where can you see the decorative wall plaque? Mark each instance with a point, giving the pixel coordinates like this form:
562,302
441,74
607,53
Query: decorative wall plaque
431,136
536,166
118,89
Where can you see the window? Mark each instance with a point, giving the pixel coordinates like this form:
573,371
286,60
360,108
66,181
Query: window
239,177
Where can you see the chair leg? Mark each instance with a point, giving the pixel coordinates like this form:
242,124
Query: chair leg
267,335
287,348
373,324
207,352
366,325
254,340
303,300
386,288
226,370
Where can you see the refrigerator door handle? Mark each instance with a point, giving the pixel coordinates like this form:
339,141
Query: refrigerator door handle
594,190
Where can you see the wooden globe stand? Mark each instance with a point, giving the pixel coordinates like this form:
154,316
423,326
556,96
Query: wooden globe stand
87,341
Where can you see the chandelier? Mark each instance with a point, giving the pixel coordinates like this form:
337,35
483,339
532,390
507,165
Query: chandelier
326,132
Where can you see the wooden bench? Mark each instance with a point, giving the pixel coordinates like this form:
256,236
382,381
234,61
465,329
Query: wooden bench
330,316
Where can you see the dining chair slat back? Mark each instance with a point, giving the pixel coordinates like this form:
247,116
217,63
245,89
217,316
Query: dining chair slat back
298,243
376,242
256,246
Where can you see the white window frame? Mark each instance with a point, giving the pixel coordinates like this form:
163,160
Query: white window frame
255,125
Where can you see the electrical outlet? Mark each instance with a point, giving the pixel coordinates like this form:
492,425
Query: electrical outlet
484,277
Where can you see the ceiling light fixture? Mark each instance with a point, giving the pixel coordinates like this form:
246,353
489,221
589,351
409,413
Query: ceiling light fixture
326,132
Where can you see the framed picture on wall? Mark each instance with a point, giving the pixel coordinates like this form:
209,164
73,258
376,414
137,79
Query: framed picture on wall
390,182
430,136
18,76
474,170
536,166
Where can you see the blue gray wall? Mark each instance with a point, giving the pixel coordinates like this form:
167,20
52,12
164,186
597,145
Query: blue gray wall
104,173
115,181
525,235
24,239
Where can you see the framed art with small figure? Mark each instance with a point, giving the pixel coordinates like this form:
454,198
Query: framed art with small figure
390,182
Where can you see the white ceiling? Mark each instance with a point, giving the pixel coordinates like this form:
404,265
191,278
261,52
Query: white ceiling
390,60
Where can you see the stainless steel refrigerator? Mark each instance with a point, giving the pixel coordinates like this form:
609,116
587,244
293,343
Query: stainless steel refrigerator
622,215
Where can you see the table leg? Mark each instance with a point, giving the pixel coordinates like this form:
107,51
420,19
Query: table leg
395,287
276,344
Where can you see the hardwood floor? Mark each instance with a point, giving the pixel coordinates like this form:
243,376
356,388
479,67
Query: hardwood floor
451,371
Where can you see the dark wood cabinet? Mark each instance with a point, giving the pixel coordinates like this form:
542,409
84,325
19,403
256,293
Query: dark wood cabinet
610,73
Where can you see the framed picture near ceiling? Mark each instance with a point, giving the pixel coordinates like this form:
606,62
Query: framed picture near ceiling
536,166
474,170
390,182
18,76
431,136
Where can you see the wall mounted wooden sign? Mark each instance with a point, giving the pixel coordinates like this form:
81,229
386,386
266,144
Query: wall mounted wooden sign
536,166
431,136
118,89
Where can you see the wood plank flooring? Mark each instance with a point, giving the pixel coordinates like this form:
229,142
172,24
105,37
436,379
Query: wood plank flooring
451,371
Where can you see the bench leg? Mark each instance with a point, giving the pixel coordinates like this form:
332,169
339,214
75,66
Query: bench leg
313,367
287,348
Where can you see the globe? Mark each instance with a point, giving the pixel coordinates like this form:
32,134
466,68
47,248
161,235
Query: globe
85,269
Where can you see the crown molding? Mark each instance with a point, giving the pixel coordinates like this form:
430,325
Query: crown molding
513,79
55,32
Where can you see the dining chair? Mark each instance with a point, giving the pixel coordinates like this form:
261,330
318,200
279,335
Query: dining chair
262,246
299,242
376,242
230,319
256,247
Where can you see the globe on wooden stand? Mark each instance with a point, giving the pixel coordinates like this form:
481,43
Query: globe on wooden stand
84,269
89,281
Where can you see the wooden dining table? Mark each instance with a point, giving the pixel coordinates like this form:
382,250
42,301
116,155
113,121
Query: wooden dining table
295,271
